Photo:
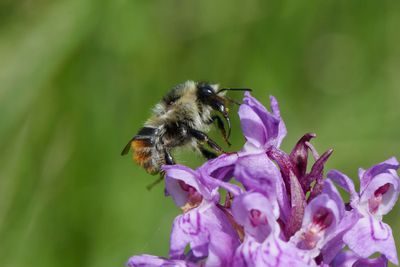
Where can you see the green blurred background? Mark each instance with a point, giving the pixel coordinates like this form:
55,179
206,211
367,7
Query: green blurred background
78,78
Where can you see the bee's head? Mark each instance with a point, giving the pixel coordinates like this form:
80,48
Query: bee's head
208,94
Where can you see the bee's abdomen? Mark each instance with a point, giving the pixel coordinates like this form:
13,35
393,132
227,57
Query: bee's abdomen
145,155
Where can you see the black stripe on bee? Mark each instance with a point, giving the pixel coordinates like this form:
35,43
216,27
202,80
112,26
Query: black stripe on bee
146,131
145,134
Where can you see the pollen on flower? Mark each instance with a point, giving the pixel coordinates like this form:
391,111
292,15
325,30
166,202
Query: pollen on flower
310,238
321,220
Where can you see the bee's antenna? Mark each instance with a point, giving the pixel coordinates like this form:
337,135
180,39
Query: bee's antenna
234,89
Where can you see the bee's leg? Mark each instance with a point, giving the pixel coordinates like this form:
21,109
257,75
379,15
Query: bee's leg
221,127
207,153
202,137
156,182
169,160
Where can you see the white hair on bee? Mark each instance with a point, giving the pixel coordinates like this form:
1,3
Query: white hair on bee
159,109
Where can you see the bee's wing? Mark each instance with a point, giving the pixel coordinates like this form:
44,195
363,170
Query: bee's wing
146,133
127,147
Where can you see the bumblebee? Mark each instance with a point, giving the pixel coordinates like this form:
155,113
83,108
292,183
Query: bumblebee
182,117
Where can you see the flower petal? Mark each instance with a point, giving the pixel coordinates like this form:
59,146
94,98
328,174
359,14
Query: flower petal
388,165
330,189
344,259
247,254
377,262
388,199
299,155
258,173
254,212
176,173
316,174
273,252
209,234
369,236
189,228
298,205
320,219
350,259
217,172
282,128
334,240
322,201
278,253
220,168
344,182
260,127
154,261
252,126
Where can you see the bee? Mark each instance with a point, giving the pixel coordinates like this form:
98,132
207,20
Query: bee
182,117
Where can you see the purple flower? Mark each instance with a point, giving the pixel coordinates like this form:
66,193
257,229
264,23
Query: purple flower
262,245
334,241
188,187
257,215
273,252
259,174
220,168
379,190
324,223
154,261
204,226
251,166
261,128
320,219
279,211
350,259
208,232
254,169
297,182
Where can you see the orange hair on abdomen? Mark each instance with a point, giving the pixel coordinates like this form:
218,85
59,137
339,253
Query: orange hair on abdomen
142,155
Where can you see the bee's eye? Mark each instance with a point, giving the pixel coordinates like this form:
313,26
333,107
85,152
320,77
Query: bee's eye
205,90
209,91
